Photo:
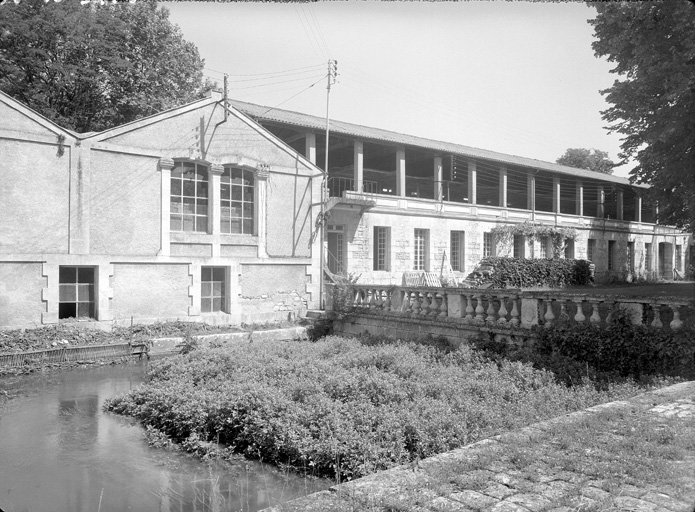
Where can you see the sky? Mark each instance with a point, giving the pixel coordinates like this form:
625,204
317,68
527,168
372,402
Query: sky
515,77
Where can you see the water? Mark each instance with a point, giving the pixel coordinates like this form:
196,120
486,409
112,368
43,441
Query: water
60,452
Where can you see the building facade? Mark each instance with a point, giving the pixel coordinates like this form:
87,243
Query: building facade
224,214
401,203
197,214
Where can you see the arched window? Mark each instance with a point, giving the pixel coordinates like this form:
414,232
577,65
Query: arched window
189,197
237,201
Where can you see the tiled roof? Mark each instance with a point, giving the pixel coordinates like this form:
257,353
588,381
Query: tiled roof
287,117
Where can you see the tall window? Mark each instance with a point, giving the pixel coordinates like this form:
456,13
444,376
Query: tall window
212,289
236,201
590,249
76,292
631,256
488,245
421,248
519,246
544,246
189,197
648,255
458,251
679,257
569,249
382,244
611,254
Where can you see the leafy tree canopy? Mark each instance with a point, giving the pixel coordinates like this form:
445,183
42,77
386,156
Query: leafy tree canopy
591,159
653,103
92,67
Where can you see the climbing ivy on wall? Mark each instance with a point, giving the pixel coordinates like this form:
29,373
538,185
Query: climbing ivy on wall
558,236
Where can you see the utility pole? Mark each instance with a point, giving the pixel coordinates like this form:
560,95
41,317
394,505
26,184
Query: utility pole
330,80
226,95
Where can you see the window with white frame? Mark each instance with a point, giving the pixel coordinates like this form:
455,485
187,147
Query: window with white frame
458,251
213,284
519,246
421,248
189,197
237,201
544,241
76,294
382,248
488,245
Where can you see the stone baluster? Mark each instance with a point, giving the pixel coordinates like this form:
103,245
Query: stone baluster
358,298
549,316
415,310
502,313
434,305
595,317
564,317
656,322
579,317
387,301
514,320
444,306
676,323
611,308
479,310
424,302
469,308
406,303
378,301
490,318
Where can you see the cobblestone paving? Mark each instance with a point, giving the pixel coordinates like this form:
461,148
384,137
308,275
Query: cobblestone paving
546,484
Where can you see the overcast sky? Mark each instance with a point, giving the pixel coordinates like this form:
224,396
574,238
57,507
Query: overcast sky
515,77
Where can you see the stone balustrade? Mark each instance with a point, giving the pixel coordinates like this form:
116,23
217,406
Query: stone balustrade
512,309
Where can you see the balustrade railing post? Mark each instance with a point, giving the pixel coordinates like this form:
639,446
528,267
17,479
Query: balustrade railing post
490,318
444,307
676,323
479,310
656,322
549,315
415,310
502,313
514,320
595,317
579,316
469,308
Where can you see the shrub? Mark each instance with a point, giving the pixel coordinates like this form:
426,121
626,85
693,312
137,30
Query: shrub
341,408
526,273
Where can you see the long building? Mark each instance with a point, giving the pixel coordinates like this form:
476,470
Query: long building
214,214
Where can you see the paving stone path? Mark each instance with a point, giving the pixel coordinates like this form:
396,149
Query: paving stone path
539,484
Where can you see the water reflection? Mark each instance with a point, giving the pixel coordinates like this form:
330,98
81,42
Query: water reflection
60,452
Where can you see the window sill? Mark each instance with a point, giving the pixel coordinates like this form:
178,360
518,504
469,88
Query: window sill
192,237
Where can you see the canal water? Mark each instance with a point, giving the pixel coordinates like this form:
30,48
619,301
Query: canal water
60,452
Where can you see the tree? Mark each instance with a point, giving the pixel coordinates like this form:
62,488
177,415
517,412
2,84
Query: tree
591,159
653,102
92,67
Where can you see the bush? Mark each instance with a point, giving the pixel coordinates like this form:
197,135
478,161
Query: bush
526,273
343,409
623,348
580,353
